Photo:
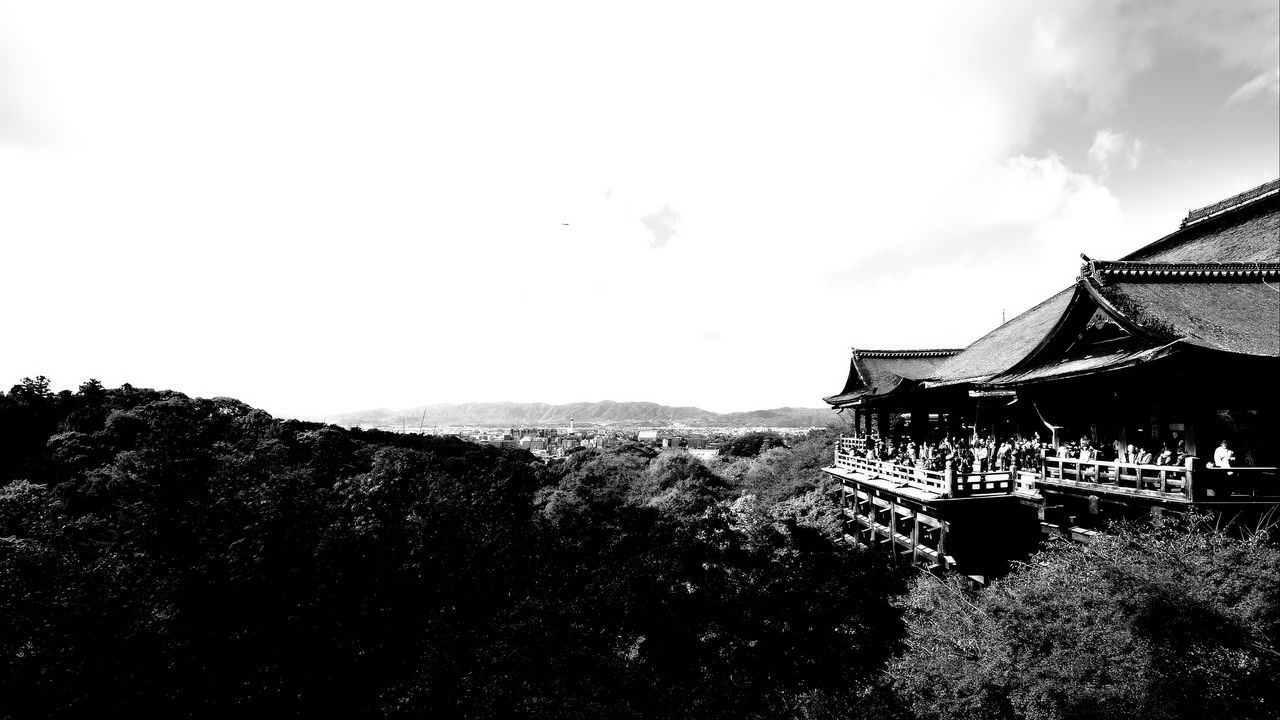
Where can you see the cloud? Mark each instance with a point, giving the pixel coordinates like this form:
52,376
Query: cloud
1114,148
1266,84
387,163
662,224
1095,49
1028,212
20,121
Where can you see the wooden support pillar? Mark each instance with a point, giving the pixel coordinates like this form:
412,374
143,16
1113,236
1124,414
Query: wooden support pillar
870,519
863,525
882,423
844,507
915,537
893,529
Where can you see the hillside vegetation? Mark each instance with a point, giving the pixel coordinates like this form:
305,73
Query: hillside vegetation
169,556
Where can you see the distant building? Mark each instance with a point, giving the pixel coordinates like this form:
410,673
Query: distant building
696,442
647,435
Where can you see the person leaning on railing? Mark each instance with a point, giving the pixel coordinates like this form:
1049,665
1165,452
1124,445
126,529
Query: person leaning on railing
980,454
1180,454
965,467
1223,457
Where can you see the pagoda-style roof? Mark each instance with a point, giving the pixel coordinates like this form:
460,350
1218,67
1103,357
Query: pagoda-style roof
1212,284
876,373
1004,347
1231,307
1242,228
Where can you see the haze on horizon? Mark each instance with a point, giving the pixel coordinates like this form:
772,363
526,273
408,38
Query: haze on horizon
334,206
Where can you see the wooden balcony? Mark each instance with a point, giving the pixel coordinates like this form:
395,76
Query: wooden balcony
1166,483
1174,483
938,484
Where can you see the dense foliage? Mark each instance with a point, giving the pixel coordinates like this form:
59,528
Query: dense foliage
1165,622
167,555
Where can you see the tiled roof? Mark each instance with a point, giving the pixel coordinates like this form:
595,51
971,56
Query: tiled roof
1174,271
1230,307
1057,369
905,353
880,372
1211,283
1245,233
1003,347
1237,240
1248,196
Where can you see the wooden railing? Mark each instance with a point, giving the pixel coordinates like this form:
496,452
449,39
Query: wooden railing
854,445
947,482
1024,482
1166,479
1237,484
1192,483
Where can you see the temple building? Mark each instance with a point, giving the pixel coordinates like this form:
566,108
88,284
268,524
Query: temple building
1174,347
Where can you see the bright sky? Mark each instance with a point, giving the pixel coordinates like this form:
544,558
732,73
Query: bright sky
327,206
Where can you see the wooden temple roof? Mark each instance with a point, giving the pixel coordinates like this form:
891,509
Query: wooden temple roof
1248,231
1214,283
876,373
1004,347
1230,307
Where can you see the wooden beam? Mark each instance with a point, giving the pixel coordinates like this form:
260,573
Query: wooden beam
915,537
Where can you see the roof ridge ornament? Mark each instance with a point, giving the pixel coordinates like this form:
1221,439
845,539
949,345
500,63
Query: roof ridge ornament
1235,201
1088,269
1145,269
923,352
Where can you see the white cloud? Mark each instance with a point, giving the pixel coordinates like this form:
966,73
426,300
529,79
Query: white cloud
1266,83
321,207
1110,149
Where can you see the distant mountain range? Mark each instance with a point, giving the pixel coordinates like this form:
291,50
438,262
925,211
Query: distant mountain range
606,412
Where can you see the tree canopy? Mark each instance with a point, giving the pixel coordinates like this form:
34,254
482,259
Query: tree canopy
1165,622
171,555
167,555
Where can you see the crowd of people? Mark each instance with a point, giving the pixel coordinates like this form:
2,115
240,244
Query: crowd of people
988,454
981,454
1125,453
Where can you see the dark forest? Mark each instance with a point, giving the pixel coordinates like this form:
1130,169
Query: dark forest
177,556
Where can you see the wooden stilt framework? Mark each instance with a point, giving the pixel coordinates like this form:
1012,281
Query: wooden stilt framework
896,525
